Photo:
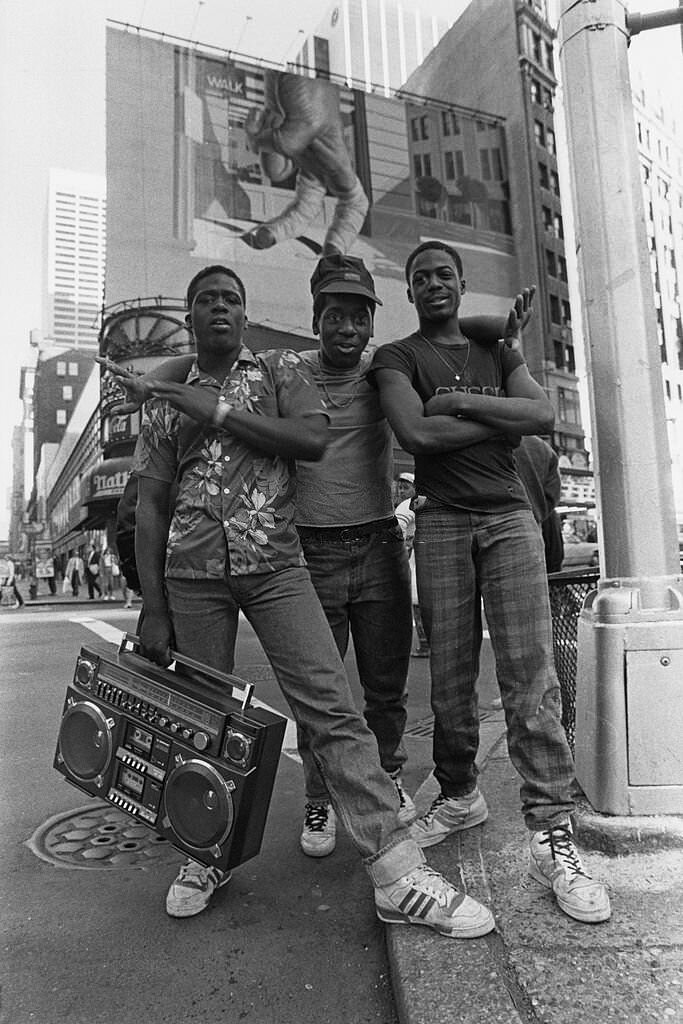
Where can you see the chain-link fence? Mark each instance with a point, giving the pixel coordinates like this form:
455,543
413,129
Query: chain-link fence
568,591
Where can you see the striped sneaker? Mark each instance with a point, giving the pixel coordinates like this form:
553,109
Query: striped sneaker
448,815
192,890
425,897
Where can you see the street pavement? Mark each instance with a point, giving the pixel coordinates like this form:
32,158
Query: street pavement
537,967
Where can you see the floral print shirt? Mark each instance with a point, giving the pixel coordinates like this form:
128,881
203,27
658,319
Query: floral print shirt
234,509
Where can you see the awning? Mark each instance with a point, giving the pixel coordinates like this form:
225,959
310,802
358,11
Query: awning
105,483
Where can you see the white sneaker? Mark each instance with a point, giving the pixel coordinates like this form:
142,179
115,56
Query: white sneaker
406,812
555,863
192,890
319,835
448,815
425,897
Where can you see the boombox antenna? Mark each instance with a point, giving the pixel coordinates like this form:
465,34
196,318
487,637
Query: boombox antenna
240,688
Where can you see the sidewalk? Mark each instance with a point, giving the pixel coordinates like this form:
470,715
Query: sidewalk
59,599
540,966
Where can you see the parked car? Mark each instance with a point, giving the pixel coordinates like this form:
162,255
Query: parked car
579,552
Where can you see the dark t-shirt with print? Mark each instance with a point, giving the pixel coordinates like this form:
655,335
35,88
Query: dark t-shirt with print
481,477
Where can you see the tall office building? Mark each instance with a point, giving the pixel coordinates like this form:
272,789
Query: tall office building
76,239
375,44
499,56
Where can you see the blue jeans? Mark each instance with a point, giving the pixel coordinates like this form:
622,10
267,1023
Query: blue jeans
289,621
463,558
364,587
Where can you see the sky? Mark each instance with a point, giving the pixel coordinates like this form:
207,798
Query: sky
52,115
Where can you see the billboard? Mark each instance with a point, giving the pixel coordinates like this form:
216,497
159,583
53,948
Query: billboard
212,160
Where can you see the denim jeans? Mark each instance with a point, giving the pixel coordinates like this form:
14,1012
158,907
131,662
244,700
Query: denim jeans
463,558
364,587
289,621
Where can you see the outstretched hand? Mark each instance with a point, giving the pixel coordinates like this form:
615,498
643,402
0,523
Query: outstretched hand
199,403
519,316
132,382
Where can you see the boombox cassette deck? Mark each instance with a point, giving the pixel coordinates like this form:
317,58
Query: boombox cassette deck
183,751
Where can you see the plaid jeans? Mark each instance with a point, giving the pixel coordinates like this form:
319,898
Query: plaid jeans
463,558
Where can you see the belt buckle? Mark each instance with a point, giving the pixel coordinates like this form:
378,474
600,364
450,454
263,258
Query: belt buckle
347,533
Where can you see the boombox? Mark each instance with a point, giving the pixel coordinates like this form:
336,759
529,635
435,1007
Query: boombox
187,754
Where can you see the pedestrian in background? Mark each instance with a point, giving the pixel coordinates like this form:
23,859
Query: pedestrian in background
459,408
11,597
92,571
405,513
108,562
538,467
73,573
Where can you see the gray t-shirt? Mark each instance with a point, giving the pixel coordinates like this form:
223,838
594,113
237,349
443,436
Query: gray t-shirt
352,482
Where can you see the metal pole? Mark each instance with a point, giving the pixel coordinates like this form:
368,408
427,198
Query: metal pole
629,699
631,457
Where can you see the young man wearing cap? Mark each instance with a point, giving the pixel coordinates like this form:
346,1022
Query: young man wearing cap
459,408
227,440
353,543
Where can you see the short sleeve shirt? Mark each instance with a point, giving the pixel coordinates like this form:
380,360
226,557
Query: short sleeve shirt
234,509
351,484
481,477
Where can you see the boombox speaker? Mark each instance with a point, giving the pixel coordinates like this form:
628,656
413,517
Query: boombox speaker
183,750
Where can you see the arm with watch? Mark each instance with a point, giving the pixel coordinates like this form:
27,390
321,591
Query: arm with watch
291,437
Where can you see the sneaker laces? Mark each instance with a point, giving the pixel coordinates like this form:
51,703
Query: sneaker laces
432,883
429,815
197,874
562,849
316,817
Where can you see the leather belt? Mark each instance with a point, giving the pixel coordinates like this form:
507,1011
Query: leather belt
346,533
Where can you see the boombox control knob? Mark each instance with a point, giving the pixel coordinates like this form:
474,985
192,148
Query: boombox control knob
163,722
187,734
174,726
201,740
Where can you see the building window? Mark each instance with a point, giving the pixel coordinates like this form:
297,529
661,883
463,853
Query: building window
450,124
455,165
562,268
566,313
61,369
550,142
422,164
67,393
61,417
535,89
555,314
73,369
420,128
536,47
568,405
548,99
485,164
559,354
499,216
547,218
550,263
549,57
543,175
539,133
558,226
497,164
555,182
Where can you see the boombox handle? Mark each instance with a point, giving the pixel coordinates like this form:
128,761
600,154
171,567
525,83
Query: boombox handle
243,692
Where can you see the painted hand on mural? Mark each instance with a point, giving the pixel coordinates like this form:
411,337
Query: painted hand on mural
519,316
300,130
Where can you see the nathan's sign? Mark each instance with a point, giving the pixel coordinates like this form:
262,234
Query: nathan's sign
107,480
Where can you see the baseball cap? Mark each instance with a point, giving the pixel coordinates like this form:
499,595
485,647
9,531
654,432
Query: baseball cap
346,275
408,477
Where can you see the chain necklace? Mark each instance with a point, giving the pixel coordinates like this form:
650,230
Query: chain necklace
457,374
345,402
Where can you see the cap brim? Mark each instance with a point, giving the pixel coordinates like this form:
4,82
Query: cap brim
347,288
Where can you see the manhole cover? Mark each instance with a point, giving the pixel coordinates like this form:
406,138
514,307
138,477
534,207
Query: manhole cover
100,836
